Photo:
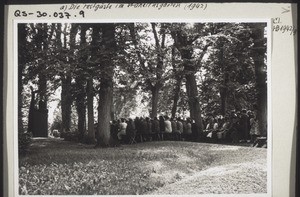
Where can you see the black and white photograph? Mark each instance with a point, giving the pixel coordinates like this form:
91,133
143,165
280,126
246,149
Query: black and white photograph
143,108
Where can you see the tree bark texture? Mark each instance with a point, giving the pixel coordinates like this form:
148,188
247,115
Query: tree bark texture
106,86
80,82
155,95
66,98
184,45
90,106
176,96
178,78
192,90
22,52
259,50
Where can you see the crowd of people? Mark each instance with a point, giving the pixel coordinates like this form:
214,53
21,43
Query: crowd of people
236,127
233,128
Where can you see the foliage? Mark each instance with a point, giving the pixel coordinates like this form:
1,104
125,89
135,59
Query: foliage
148,61
24,140
70,136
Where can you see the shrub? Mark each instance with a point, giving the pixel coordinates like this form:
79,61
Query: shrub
25,140
70,136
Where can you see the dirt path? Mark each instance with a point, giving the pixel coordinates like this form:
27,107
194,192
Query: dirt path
248,177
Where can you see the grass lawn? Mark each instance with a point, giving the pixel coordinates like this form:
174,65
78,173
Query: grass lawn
53,166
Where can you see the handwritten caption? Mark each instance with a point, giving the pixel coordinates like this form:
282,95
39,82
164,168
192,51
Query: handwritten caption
43,14
67,11
104,6
278,26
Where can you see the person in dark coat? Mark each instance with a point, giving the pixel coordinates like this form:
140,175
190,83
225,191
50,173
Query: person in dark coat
155,127
130,129
244,125
194,131
144,129
162,127
234,130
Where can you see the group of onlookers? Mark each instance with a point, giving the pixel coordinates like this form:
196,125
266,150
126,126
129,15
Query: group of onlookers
235,127
152,129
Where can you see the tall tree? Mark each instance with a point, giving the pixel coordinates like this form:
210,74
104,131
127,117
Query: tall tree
183,43
66,97
258,55
156,86
80,81
178,75
108,47
150,58
22,60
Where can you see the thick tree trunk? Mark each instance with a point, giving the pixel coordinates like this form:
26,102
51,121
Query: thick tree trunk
66,97
184,45
104,112
176,97
178,78
259,51
106,86
160,62
90,106
155,96
31,112
42,84
66,102
194,104
81,110
80,83
192,91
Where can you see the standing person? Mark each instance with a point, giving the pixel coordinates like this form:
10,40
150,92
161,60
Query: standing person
209,127
234,130
168,127
144,129
122,131
184,126
194,131
137,122
174,127
215,128
222,134
254,128
131,130
155,127
148,129
244,124
179,126
114,130
162,127
189,127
